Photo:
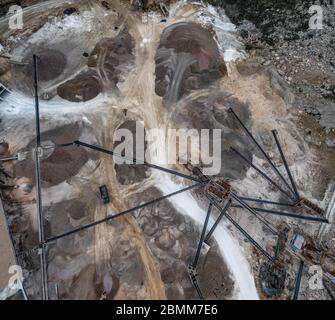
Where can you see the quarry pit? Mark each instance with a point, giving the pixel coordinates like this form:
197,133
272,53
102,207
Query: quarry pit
105,68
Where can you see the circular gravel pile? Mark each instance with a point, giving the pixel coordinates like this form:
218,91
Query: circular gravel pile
83,87
50,64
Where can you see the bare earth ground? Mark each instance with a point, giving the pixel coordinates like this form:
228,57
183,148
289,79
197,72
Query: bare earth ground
6,251
135,64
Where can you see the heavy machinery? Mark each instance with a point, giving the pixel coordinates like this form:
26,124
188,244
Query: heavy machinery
104,194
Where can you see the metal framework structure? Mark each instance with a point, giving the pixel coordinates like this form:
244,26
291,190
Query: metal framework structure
218,192
38,153
298,281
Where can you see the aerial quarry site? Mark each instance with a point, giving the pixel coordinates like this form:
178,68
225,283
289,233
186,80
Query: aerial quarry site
91,206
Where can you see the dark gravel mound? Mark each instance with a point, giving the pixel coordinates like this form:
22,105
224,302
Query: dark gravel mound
83,87
187,59
50,64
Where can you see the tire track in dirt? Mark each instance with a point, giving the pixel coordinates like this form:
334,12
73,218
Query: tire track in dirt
154,288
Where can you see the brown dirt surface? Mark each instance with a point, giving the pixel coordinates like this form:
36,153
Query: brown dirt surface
110,54
109,285
81,285
128,174
316,137
4,147
50,64
62,164
6,250
83,87
189,58
173,238
58,215
214,277
210,111
4,66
